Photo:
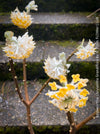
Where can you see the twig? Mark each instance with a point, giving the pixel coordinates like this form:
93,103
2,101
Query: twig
93,13
72,123
71,54
2,89
16,82
27,99
92,116
24,80
39,91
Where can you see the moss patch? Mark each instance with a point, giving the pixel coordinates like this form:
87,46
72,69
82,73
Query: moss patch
85,69
4,13
53,31
50,130
36,71
67,43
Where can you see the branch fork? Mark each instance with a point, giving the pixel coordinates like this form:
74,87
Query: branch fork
26,101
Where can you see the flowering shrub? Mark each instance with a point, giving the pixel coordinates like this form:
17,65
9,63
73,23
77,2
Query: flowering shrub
69,96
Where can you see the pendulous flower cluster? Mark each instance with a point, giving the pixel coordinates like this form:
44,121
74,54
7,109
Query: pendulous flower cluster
85,52
54,68
69,96
23,19
19,48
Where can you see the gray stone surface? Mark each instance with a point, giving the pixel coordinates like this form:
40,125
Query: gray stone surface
44,49
13,113
54,18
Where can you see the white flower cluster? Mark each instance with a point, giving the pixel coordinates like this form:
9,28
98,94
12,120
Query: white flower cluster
54,68
19,48
85,52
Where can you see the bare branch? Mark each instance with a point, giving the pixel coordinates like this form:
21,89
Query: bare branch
86,120
71,54
16,82
93,13
25,81
72,123
29,120
40,91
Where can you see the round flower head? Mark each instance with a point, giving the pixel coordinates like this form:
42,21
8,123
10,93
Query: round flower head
54,68
21,19
19,48
85,52
69,96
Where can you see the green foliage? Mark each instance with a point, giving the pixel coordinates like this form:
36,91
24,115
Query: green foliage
10,27
91,129
36,71
52,5
13,130
85,69
53,32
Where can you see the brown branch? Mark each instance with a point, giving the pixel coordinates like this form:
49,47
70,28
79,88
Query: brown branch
2,88
25,81
39,91
93,13
71,54
16,82
29,120
86,120
27,99
72,123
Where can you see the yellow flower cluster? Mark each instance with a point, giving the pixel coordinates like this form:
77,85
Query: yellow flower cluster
21,19
69,96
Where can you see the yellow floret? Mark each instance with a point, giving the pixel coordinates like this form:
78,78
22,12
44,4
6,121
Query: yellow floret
80,85
84,92
69,86
54,96
82,102
63,79
53,85
76,77
73,109
60,94
63,90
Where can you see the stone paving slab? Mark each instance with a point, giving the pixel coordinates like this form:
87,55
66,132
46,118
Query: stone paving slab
44,49
54,18
13,113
